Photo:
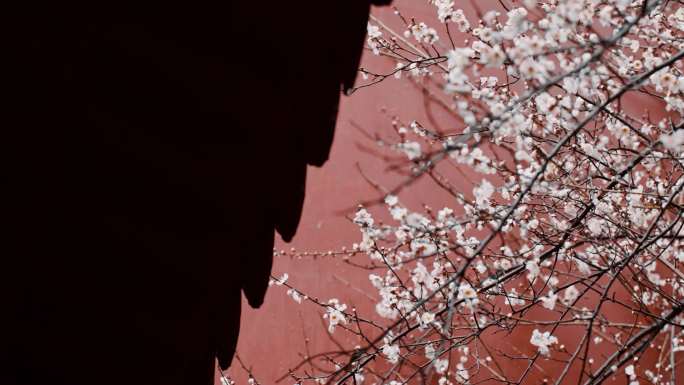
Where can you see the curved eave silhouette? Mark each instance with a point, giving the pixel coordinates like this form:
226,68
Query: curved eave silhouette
151,150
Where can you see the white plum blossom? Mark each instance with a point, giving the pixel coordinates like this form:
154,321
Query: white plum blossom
335,314
515,24
363,218
549,300
398,213
423,247
570,294
422,33
427,318
674,141
441,365
595,226
411,149
459,58
629,370
462,374
483,193
295,295
532,270
467,293
279,281
417,221
391,352
391,200
447,13
514,299
374,33
544,102
677,19
542,341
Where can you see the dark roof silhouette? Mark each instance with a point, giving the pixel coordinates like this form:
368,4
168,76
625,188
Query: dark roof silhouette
152,148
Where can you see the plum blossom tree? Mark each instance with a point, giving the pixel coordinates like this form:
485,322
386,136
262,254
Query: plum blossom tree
571,236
